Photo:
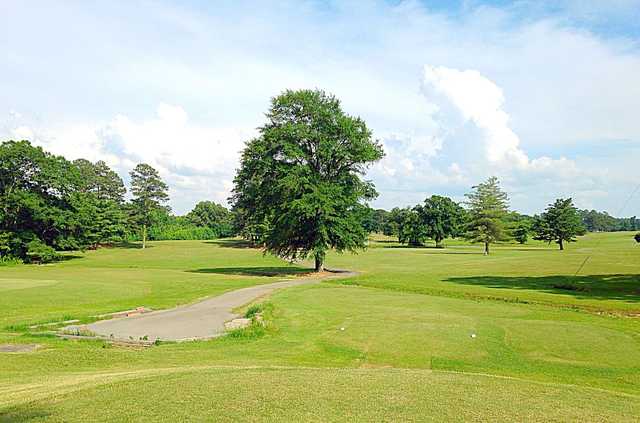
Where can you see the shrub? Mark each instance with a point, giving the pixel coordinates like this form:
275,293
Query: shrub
637,237
39,252
253,310
9,261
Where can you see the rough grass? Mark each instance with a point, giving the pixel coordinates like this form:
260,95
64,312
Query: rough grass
383,351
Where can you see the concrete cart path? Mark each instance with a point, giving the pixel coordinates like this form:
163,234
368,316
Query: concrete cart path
201,320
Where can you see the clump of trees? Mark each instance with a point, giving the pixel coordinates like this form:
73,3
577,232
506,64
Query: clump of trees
50,204
299,190
437,218
595,221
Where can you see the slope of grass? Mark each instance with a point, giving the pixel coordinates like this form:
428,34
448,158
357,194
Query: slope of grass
471,349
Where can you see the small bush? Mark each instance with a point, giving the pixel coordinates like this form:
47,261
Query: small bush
255,330
253,310
637,237
39,252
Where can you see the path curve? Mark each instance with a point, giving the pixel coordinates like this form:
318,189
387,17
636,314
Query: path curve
201,320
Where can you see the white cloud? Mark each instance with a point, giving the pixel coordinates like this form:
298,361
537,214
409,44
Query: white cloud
509,92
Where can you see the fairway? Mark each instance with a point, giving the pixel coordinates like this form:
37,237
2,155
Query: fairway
392,344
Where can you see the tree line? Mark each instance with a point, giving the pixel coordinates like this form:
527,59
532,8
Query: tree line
50,204
299,192
484,218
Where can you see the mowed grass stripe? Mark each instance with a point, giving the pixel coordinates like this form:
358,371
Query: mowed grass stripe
276,394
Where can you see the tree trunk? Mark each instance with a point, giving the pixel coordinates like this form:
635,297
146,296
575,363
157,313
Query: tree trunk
319,263
486,248
439,243
561,244
144,236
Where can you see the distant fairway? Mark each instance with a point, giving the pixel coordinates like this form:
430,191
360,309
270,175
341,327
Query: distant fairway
393,344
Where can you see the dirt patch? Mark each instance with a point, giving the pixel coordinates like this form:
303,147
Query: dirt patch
18,348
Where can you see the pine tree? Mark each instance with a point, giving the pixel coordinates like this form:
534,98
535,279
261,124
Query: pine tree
149,195
488,206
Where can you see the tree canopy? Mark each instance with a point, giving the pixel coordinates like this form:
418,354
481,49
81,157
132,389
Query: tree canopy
301,180
488,205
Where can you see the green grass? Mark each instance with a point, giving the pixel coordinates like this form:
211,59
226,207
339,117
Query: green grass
393,344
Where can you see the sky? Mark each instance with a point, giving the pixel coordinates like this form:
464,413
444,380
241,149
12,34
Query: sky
544,95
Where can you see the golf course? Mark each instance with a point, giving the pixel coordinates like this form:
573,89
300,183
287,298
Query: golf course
528,333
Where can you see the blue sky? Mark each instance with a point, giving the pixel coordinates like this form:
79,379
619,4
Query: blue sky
545,95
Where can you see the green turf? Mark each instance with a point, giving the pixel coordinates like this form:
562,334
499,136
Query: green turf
406,353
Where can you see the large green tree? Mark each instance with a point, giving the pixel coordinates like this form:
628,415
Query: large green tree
302,177
150,194
442,218
560,222
487,205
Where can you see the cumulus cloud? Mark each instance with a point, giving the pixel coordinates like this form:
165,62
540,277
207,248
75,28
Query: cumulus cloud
480,101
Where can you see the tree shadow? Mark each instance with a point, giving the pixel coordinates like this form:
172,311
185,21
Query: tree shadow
23,413
601,287
417,247
126,245
66,257
233,243
255,271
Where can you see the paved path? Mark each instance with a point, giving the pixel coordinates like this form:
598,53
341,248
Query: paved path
201,320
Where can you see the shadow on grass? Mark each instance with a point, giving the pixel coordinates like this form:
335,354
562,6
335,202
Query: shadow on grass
597,287
426,246
233,243
23,413
126,245
66,257
255,271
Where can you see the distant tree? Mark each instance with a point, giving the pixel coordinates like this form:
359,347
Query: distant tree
392,222
213,216
302,177
149,195
99,179
560,223
100,203
442,218
521,233
487,206
637,237
519,226
412,230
